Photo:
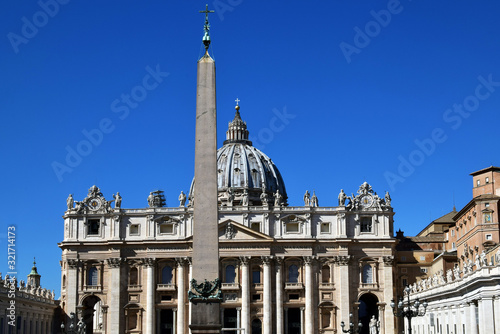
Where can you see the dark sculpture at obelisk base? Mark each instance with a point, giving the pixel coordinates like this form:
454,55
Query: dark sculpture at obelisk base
204,293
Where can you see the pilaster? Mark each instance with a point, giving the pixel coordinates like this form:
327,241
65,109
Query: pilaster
267,325
245,293
115,312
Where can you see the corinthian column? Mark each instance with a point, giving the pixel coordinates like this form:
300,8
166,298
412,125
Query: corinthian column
245,293
268,324
150,296
116,318
309,310
279,295
181,294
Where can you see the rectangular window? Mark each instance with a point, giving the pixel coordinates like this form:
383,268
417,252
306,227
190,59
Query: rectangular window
256,277
325,227
166,229
403,258
292,228
293,296
452,245
366,224
422,258
255,227
134,229
487,180
489,237
93,226
478,183
256,297
452,233
405,282
423,270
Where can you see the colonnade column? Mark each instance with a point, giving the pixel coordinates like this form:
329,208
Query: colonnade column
309,310
238,317
115,313
181,295
150,296
486,316
279,295
496,310
245,294
302,321
472,318
268,323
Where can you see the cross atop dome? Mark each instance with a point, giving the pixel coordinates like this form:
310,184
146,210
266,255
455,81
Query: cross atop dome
237,130
206,27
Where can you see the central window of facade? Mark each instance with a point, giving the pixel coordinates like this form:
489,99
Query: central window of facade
366,224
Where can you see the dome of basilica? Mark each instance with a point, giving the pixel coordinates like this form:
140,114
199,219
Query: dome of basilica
245,175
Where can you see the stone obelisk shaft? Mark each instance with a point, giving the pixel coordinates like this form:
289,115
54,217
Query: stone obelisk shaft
205,316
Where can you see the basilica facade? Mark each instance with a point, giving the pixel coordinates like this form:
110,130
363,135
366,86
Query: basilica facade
283,269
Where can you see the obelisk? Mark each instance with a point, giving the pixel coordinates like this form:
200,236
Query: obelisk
205,316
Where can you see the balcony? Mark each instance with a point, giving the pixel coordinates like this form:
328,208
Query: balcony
230,286
165,287
294,286
369,286
134,287
326,286
92,288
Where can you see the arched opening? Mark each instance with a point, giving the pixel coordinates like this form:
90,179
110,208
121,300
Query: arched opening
367,308
92,315
256,326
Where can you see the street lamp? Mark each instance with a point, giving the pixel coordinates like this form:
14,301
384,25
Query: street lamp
351,329
408,311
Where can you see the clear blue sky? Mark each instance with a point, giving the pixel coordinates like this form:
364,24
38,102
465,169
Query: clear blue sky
362,82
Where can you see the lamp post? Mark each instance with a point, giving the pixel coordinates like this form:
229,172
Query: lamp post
351,329
79,328
408,311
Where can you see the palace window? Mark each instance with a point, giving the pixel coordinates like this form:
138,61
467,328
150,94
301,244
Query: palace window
133,276
487,180
489,237
292,228
478,183
230,276
167,228
166,275
293,274
367,274
92,276
325,274
93,227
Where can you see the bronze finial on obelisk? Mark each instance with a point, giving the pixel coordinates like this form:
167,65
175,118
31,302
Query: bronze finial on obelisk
204,292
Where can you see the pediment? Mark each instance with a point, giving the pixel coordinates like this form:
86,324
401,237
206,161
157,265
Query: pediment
230,230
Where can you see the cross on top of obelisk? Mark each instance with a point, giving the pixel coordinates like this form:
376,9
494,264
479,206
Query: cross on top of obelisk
206,37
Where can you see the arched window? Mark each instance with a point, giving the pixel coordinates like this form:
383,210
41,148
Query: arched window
166,275
293,274
367,274
134,276
256,326
92,279
325,274
230,274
